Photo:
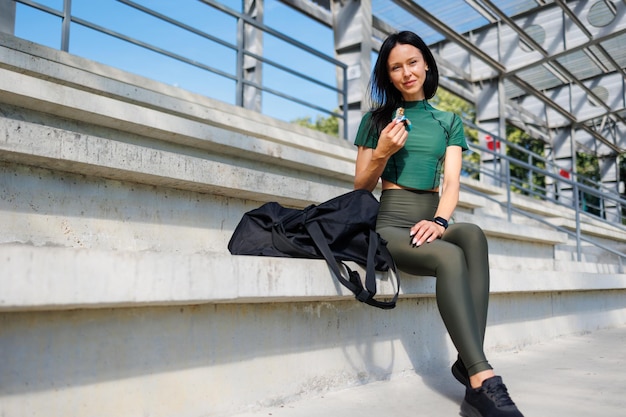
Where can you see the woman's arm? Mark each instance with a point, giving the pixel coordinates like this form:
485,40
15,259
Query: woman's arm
368,169
451,185
370,163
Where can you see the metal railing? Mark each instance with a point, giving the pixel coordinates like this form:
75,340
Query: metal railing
239,51
564,192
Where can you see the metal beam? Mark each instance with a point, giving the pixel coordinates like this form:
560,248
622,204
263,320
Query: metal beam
493,14
552,104
523,35
444,29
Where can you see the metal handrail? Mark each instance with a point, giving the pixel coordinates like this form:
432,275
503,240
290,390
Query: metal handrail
344,68
579,237
572,203
240,51
579,183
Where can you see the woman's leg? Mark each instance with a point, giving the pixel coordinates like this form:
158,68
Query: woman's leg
472,241
454,293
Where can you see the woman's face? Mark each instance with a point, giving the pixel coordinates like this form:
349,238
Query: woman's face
407,71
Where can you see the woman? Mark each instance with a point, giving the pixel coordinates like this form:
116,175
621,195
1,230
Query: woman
408,144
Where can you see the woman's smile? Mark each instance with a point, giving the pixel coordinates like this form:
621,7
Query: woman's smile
407,71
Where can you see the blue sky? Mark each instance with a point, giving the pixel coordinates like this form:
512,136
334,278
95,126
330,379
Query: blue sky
41,27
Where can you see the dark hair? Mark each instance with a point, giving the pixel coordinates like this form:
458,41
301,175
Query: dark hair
385,98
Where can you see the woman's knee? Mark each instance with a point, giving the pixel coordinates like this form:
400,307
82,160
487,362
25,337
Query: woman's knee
465,232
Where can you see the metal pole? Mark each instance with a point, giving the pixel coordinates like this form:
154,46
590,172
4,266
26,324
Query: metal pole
65,27
7,16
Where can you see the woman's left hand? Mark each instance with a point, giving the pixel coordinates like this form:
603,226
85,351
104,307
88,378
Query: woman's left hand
425,231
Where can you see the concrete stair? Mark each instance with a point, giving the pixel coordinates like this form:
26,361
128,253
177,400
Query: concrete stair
119,195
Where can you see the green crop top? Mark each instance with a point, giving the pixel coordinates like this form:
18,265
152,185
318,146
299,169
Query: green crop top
419,163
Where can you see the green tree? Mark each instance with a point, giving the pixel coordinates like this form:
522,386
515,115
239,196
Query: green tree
328,125
447,101
526,181
588,173
587,166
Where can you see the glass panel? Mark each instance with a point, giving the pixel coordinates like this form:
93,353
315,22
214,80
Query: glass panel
511,90
579,64
514,7
615,47
540,78
459,15
401,20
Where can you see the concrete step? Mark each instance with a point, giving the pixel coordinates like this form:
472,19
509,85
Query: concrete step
52,278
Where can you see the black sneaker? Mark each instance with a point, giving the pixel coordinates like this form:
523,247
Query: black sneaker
490,400
460,373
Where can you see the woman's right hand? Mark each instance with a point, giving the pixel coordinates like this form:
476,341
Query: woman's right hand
391,140
370,163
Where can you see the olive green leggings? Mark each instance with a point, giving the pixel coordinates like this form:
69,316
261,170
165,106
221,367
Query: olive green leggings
459,261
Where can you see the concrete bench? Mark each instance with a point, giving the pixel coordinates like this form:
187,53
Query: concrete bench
43,278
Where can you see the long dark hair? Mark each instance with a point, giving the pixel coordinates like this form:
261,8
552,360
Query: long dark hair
384,97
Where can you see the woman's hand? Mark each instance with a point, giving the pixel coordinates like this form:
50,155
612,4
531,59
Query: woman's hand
391,140
370,163
425,231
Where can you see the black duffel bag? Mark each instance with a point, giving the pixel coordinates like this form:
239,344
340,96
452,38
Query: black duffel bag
338,230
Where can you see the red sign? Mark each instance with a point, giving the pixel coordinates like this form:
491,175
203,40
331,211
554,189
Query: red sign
490,143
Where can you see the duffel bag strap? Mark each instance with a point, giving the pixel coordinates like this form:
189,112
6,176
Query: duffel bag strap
354,284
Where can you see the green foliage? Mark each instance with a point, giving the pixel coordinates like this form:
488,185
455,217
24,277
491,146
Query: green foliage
447,101
525,181
588,167
328,125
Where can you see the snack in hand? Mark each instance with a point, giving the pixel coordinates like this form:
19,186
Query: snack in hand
400,117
